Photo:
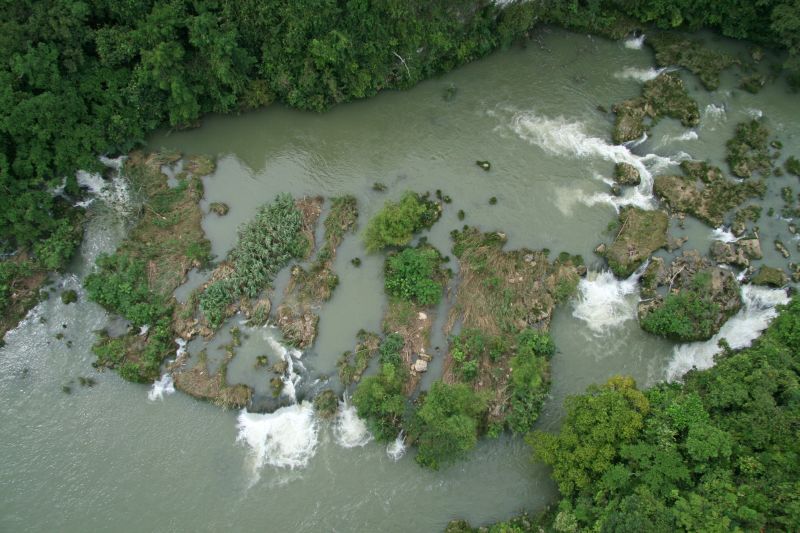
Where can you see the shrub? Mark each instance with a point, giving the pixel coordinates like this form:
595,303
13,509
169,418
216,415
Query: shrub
396,223
380,401
446,425
530,379
414,275
120,285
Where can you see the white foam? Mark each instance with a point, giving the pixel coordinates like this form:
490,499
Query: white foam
286,438
639,74
634,43
723,234
290,378
397,449
115,193
690,135
740,331
350,430
713,115
754,113
162,387
563,138
605,302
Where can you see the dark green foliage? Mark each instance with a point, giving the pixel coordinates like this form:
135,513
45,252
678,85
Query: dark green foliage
69,296
467,349
793,165
120,286
326,404
266,244
381,402
414,275
396,223
10,271
688,315
716,453
446,425
530,378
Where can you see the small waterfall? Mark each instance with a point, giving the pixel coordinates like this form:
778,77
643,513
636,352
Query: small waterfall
723,234
634,43
286,438
639,74
292,356
740,331
563,138
713,115
605,302
115,193
350,430
162,387
397,449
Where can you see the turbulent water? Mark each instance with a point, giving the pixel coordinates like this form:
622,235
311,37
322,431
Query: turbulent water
127,457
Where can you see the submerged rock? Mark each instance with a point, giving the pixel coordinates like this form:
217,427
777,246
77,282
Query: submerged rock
220,208
769,276
704,192
485,165
781,248
664,96
672,49
748,151
729,253
626,174
641,233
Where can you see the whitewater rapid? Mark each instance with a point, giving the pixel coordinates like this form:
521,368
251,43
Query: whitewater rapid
350,430
604,302
561,137
739,331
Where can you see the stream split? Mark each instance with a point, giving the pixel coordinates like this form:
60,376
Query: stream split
128,457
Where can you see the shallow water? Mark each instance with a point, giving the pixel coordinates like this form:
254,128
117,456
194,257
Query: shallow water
108,457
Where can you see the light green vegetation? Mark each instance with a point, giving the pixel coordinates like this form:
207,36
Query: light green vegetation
396,223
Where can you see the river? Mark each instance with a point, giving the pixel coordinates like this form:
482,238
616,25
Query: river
112,457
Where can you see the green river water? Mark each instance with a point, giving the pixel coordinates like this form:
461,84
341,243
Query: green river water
109,457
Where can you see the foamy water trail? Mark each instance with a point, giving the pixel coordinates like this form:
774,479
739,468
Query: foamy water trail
605,302
162,387
740,331
713,115
286,438
690,135
560,137
634,43
723,234
639,74
397,449
754,113
115,193
292,356
350,430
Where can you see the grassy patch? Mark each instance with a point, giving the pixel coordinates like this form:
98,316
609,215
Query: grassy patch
748,150
704,192
672,49
664,96
352,364
640,234
308,289
137,281
396,223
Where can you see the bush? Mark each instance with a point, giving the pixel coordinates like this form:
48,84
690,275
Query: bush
120,286
530,379
380,401
414,275
266,244
396,223
446,425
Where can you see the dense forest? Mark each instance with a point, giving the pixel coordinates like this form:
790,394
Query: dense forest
83,78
